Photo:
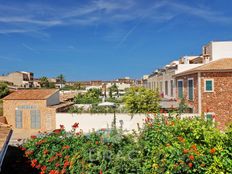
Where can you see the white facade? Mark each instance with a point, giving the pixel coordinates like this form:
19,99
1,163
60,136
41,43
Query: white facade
217,50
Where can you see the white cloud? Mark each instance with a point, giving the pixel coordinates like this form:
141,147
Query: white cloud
36,17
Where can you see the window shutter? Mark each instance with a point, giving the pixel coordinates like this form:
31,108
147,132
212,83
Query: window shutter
18,119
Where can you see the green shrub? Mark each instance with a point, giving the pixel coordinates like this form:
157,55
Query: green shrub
163,145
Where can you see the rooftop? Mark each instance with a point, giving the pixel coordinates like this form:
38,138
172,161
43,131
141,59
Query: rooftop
214,66
35,94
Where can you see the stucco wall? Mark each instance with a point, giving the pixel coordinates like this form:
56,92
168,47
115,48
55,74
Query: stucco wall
10,106
88,121
221,50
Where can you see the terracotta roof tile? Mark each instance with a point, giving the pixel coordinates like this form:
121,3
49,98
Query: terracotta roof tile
35,94
224,64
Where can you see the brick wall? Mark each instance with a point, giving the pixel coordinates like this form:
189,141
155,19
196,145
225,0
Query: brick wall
219,101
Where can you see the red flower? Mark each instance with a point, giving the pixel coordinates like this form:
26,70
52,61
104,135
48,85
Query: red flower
54,172
23,148
66,147
57,164
61,127
103,129
45,152
59,154
101,172
63,171
190,165
57,131
212,151
66,157
38,166
28,153
43,168
76,125
97,142
191,157
185,151
33,137
66,164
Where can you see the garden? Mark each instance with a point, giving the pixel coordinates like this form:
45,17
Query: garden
161,145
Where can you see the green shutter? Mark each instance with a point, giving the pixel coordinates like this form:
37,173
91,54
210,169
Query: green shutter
190,89
208,85
180,89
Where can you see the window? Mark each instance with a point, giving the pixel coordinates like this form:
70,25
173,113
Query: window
35,119
172,87
180,88
18,119
190,89
209,85
166,87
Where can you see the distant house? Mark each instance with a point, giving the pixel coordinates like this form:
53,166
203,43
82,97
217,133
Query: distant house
30,111
19,79
207,89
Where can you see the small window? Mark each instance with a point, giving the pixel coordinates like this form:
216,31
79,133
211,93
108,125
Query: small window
209,86
35,119
180,88
190,89
18,119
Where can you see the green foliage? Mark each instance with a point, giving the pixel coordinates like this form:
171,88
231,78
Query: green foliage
141,100
4,90
163,145
61,78
44,82
91,97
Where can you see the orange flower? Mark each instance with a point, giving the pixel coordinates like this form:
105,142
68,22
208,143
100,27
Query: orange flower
212,151
59,154
190,165
181,139
97,142
185,151
194,147
66,147
45,152
191,157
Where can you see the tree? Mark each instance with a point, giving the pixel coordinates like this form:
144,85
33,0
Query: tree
91,97
61,79
44,82
4,90
141,100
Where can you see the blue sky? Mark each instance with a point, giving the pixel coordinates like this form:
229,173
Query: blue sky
106,39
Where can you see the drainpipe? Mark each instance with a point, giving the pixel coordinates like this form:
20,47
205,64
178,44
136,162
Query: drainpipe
199,93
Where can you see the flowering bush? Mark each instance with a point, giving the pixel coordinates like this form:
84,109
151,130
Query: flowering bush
163,145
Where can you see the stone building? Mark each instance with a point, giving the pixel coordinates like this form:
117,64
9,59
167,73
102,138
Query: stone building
19,79
30,111
207,89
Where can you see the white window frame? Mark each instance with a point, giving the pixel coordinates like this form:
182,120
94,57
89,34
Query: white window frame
180,80
188,88
211,113
205,85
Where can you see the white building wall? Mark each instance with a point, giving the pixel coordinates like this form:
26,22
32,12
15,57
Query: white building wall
221,50
88,122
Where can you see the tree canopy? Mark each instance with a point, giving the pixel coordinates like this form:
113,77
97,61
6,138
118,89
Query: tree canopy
141,100
4,90
91,97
